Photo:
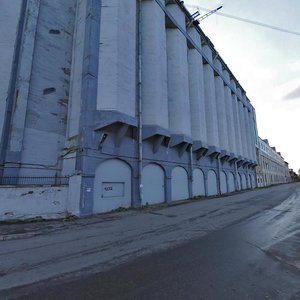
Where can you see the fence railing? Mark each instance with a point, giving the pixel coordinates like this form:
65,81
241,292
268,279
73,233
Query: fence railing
38,181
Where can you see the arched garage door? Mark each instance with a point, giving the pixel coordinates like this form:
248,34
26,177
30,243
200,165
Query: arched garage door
153,180
244,181
112,186
231,185
249,182
212,183
253,181
239,181
198,183
223,182
179,181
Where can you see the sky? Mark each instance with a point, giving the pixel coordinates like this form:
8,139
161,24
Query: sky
266,62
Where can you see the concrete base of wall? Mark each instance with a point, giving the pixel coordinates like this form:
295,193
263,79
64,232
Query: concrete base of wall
21,203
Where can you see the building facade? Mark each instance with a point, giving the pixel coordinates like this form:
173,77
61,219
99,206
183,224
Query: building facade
271,168
128,99
294,177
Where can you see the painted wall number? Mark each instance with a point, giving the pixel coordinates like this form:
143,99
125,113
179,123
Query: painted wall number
113,189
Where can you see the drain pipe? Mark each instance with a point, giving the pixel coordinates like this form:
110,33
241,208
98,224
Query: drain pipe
140,120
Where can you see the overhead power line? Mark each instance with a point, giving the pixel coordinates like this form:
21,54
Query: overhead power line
248,21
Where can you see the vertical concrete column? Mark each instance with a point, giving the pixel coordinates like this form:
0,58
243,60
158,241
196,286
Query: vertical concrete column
38,128
206,183
251,141
196,89
248,183
11,22
236,174
25,77
178,81
236,119
242,123
219,176
9,25
75,102
117,57
251,134
253,131
221,107
210,100
154,64
168,184
247,128
229,115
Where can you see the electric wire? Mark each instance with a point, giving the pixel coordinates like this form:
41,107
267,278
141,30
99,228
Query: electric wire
247,20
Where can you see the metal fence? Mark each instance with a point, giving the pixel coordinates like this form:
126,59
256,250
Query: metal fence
38,181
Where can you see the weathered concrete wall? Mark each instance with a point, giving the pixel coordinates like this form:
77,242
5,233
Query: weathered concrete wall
40,137
9,23
31,202
74,195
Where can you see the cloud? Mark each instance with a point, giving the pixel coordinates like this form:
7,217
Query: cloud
295,94
287,91
294,66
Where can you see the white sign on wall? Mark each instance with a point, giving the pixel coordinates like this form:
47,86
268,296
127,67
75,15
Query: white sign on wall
113,189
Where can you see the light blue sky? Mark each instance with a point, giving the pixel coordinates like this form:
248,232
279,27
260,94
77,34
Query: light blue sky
266,63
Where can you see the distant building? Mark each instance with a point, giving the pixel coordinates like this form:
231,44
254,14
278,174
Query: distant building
271,168
134,109
294,176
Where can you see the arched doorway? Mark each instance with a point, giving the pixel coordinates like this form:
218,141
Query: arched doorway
239,181
231,185
223,182
212,188
112,186
179,182
243,181
153,181
198,183
250,182
253,181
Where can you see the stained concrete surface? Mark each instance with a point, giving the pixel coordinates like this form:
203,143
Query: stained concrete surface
239,247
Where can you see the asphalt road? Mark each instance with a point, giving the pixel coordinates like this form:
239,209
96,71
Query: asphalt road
245,246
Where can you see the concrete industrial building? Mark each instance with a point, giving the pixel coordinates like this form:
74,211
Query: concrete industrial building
271,168
127,99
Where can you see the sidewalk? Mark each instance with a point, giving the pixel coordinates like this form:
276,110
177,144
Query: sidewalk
26,229
12,230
